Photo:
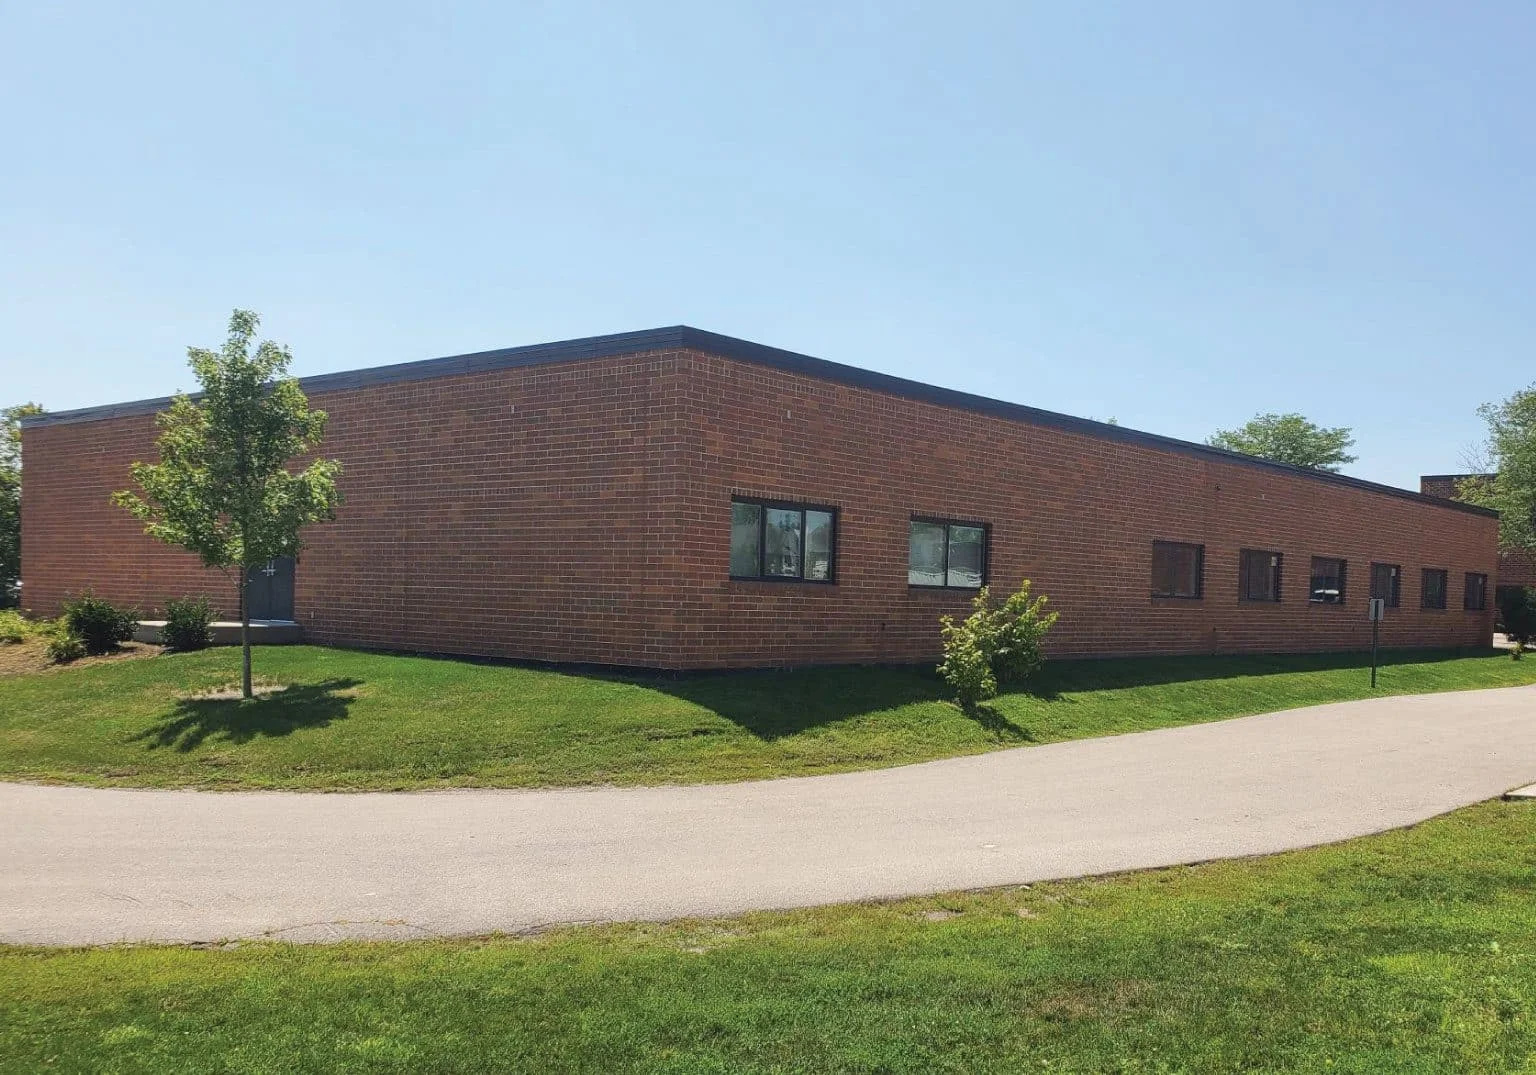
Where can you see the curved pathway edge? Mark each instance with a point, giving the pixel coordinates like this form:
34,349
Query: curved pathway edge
90,866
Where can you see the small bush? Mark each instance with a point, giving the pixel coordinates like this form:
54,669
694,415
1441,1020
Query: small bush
186,624
994,644
99,625
14,627
63,644
1517,608
965,667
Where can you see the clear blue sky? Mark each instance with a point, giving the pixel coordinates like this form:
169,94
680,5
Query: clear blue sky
1177,214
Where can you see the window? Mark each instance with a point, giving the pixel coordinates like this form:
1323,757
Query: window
1327,581
1432,595
789,542
1258,575
1387,583
1178,569
946,554
1475,596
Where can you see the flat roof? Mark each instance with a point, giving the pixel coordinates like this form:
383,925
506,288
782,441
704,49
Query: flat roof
681,337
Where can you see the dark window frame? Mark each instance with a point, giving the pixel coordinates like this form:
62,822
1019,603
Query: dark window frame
1276,567
1445,585
986,552
1199,594
762,536
1343,578
1395,598
1466,592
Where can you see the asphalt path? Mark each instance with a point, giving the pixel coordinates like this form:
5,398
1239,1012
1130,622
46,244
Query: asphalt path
87,865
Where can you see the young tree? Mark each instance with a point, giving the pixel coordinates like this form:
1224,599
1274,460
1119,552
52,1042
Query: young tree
1511,488
10,496
1289,438
222,488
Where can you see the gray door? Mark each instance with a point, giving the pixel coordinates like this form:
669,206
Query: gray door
270,591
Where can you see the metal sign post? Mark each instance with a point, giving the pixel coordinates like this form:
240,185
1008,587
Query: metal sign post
1377,611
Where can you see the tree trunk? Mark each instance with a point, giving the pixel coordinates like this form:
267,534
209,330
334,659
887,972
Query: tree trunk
245,632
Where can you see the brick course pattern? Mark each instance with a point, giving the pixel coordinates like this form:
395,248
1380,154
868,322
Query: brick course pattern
579,511
1515,568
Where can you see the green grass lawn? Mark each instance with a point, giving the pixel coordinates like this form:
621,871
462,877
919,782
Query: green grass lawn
1414,951
354,719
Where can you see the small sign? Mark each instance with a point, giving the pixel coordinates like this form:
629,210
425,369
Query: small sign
1378,609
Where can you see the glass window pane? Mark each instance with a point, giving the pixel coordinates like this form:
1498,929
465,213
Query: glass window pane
818,545
1186,571
967,556
1175,569
1434,588
781,542
1327,580
1162,570
1260,575
1476,597
925,554
746,524
1386,583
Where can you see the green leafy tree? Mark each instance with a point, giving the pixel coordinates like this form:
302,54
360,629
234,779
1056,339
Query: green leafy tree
10,496
1289,438
1511,453
222,487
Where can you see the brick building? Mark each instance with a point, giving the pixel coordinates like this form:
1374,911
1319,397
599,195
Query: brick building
1515,568
675,498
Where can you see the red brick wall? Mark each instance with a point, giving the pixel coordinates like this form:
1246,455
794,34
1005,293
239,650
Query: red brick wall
73,538
519,513
1515,568
581,512
1076,514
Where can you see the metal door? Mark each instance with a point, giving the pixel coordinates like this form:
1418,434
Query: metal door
270,590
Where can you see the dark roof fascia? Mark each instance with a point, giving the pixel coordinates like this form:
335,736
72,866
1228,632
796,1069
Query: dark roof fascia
683,337
477,362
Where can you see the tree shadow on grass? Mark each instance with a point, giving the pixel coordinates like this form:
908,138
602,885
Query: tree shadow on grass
777,704
997,725
196,720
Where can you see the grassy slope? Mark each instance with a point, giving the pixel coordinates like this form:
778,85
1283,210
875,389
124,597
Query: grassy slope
1414,951
369,720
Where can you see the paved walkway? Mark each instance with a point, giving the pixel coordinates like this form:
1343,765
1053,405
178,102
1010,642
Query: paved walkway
81,865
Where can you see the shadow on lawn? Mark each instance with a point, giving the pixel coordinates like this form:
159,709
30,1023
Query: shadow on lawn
775,704
195,720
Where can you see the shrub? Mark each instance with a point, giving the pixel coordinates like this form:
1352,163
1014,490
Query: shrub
63,644
994,644
99,625
14,627
186,624
1022,623
1517,608
965,666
